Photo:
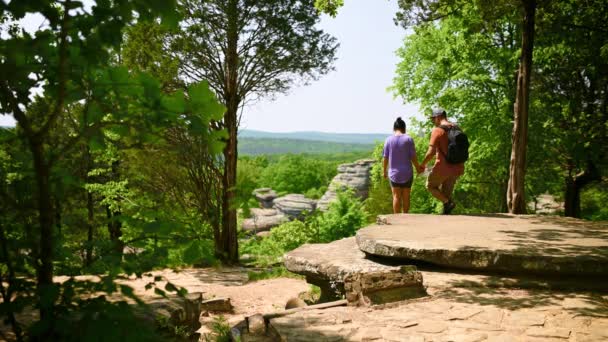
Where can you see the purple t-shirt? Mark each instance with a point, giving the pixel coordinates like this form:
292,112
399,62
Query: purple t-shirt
400,150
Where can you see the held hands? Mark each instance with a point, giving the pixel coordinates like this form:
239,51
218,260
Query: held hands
420,169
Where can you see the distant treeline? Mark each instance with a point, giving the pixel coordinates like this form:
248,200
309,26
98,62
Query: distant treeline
258,146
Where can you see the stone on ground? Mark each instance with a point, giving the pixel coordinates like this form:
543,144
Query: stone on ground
256,324
459,308
265,196
263,220
217,305
515,244
355,176
340,269
546,204
295,206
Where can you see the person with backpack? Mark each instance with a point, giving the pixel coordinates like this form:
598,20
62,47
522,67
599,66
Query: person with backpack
450,147
399,154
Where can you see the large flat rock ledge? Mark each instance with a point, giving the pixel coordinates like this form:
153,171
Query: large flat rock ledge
340,269
545,245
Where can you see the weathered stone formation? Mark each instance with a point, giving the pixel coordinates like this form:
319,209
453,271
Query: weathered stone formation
294,206
355,176
263,220
265,196
542,245
546,204
340,269
178,311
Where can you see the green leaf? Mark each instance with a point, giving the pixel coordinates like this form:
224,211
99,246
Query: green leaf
204,103
94,113
97,143
175,102
152,227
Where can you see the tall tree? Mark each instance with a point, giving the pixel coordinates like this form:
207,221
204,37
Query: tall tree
516,199
416,11
69,62
572,92
247,50
421,11
466,64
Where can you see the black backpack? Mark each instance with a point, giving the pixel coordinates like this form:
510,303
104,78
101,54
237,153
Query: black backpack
458,145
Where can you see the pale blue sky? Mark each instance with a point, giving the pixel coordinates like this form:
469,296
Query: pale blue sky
351,99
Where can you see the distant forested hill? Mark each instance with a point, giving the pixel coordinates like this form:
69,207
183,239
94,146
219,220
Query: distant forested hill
256,146
347,138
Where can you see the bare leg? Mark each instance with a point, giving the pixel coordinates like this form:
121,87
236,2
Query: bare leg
396,200
433,184
405,197
447,187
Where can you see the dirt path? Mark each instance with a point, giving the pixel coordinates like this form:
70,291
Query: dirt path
246,297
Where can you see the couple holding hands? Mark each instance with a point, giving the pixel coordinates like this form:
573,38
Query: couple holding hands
449,147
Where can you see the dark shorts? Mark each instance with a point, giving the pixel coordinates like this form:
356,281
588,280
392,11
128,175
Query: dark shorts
406,185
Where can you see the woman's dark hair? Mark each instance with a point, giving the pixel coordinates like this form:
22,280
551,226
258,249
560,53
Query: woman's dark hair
399,125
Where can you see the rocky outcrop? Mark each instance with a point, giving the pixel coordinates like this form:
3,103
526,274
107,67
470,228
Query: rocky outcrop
295,206
263,220
340,269
355,176
515,244
265,196
546,204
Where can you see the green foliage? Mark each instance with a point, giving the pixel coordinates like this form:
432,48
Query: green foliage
221,329
329,6
145,49
282,44
71,150
174,332
593,202
342,219
298,174
465,62
283,238
248,179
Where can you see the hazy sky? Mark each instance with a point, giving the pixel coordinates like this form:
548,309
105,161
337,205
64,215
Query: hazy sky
351,99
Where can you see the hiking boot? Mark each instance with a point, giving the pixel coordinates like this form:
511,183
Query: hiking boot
448,207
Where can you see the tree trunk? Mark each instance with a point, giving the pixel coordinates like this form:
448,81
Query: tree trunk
115,230
114,224
90,222
58,216
45,217
229,247
88,260
574,185
516,198
7,296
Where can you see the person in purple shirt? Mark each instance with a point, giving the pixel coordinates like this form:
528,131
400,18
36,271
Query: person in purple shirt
399,155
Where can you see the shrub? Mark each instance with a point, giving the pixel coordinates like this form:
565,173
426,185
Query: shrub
284,238
342,219
593,202
297,174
